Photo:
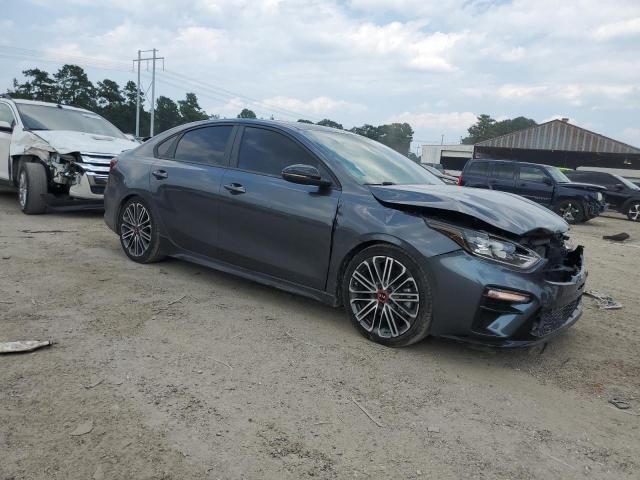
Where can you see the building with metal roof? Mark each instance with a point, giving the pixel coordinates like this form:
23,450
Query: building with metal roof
562,144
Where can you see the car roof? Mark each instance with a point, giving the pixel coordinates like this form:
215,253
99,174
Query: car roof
502,160
44,104
287,125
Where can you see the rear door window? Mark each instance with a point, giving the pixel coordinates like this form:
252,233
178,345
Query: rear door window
503,171
268,152
204,145
532,174
478,169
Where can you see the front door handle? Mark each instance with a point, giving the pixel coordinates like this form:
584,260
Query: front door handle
235,188
160,174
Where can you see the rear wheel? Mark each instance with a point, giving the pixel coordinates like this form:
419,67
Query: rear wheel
32,188
633,211
138,231
387,296
570,210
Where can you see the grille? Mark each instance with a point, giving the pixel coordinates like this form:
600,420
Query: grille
96,163
551,320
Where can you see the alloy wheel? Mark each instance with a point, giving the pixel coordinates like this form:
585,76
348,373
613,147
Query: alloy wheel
135,229
634,212
22,189
570,212
384,296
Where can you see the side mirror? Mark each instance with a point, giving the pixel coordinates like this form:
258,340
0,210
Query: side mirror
619,186
6,127
304,175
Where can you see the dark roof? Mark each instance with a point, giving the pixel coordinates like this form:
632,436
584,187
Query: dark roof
559,135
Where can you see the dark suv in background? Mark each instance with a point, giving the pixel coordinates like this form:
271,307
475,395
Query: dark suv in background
543,184
621,194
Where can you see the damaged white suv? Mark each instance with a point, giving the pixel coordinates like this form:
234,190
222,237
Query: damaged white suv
55,154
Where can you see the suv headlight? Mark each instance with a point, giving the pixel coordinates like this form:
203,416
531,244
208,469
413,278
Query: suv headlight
599,196
490,247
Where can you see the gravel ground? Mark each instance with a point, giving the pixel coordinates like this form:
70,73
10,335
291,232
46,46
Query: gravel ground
180,372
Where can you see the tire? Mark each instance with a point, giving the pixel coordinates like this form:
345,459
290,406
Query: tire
138,232
368,296
633,211
571,211
32,187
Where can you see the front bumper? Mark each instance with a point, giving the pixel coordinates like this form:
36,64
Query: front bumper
553,306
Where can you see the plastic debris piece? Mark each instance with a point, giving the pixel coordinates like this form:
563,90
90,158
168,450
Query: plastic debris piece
605,302
23,346
83,429
618,237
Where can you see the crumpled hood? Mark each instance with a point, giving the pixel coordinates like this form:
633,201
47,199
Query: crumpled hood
583,186
65,141
505,211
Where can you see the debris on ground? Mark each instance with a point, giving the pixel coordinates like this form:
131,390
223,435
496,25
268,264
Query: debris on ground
94,384
83,429
605,302
366,413
620,403
23,346
618,237
6,257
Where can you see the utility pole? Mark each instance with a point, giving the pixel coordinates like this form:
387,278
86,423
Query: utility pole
153,60
138,97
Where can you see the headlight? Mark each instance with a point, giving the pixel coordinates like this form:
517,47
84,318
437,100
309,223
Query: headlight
489,247
599,196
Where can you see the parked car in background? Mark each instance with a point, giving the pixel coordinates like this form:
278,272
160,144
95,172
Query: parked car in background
621,194
543,184
56,154
448,179
346,220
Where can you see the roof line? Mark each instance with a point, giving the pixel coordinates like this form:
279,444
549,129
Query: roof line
564,123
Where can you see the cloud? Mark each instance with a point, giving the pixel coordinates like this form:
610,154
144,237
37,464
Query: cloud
631,136
317,105
623,28
437,121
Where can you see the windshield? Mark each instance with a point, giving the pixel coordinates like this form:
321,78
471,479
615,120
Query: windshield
43,117
627,183
370,162
557,175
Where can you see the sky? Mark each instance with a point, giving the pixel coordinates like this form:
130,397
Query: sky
433,64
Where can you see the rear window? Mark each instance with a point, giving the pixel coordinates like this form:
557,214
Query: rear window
477,168
203,145
504,171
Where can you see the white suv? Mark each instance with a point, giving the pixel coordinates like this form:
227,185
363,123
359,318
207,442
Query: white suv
56,154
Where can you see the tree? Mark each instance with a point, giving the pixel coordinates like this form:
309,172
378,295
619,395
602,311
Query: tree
190,110
302,120
246,113
486,128
167,114
329,123
368,131
397,136
414,157
74,87
109,95
41,86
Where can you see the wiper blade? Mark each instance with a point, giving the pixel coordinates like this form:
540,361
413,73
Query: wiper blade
381,183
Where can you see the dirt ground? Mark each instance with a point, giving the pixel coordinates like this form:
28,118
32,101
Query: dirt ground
185,373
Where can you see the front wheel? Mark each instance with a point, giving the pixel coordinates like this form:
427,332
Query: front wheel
32,188
138,231
633,212
387,296
570,210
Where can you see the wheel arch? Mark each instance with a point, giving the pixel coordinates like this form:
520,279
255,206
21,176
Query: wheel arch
18,160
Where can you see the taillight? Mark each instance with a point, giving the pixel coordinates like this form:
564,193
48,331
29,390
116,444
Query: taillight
113,163
459,180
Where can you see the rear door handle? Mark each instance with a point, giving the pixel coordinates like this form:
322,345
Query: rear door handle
235,188
160,174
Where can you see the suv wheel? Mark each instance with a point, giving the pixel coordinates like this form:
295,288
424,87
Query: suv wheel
387,296
32,187
633,213
138,231
570,210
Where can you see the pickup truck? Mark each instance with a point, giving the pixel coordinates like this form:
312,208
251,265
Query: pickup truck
543,184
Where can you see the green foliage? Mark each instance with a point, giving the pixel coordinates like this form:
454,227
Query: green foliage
246,113
167,114
329,123
190,110
302,120
70,85
486,128
395,135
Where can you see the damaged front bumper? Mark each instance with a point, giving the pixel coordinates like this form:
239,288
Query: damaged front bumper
546,307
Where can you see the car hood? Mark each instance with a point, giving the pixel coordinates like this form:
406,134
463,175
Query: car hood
508,212
64,141
583,186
